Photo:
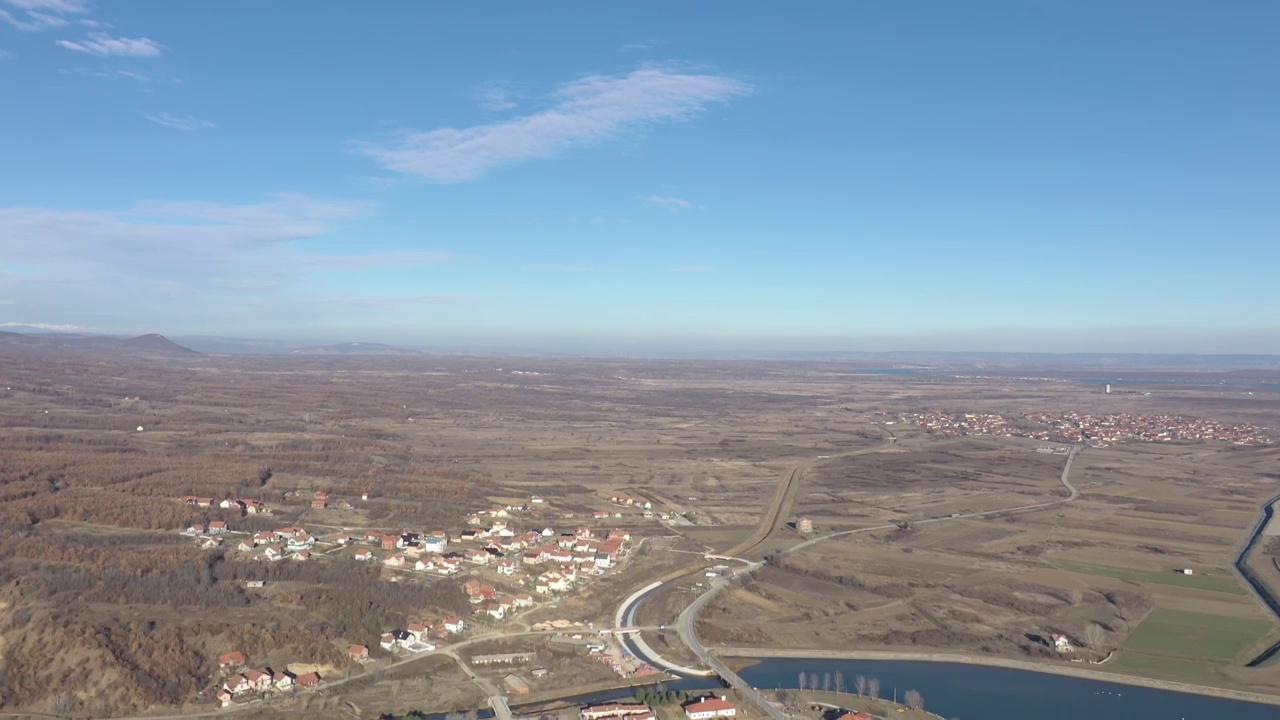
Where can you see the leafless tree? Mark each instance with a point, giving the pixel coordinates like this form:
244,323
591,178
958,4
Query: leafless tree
813,681
1093,635
839,681
802,680
873,687
61,704
913,699
860,684
826,682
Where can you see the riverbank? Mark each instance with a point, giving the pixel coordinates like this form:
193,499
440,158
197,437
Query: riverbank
732,654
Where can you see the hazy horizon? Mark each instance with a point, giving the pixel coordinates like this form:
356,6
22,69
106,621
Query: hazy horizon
1130,341
1083,177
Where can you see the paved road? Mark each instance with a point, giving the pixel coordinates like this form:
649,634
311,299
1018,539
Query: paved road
687,626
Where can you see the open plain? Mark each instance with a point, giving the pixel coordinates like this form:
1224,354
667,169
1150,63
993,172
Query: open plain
118,596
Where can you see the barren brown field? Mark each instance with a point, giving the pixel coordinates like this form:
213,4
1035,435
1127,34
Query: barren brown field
106,607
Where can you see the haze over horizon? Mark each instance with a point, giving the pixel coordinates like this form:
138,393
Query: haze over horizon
991,176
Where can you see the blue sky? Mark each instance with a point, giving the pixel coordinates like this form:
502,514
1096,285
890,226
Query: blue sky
1014,175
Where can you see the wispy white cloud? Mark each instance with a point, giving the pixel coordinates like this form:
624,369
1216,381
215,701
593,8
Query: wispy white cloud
377,260
585,112
674,204
191,237
102,44
112,74
641,46
494,96
72,7
391,300
188,123
89,23
32,21
563,268
42,326
225,266
38,15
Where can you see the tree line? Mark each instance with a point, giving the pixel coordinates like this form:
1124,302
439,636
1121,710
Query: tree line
863,686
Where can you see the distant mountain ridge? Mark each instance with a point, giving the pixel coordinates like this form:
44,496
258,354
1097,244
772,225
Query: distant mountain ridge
152,344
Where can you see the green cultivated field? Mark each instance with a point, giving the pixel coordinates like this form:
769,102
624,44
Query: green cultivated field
1143,664
1197,635
1159,577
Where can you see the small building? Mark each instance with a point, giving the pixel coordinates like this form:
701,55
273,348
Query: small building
613,710
1185,571
359,653
503,658
309,680
708,708
231,660
259,679
515,684
283,679
804,525
1061,643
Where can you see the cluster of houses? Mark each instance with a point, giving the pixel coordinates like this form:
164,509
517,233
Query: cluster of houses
494,603
576,554
418,635
254,682
280,543
320,500
244,505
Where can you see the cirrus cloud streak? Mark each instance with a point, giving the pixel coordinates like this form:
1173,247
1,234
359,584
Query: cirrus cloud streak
584,112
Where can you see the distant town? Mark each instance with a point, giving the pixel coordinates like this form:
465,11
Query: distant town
1095,430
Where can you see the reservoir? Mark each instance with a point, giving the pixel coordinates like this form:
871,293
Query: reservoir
974,692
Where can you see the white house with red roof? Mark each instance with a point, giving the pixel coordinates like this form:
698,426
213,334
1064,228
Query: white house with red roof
708,708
